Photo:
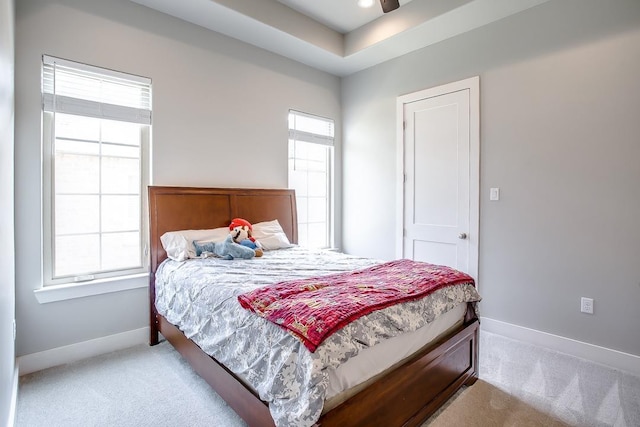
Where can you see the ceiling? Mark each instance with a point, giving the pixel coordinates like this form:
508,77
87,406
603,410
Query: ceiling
350,15
337,36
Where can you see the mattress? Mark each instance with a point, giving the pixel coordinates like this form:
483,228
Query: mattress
199,296
356,373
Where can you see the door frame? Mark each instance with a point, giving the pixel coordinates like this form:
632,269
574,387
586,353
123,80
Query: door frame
471,84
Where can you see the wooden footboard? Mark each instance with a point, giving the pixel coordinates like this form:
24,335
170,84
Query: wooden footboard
408,395
404,397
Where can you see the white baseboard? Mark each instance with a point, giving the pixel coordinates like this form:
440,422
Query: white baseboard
601,355
11,420
70,353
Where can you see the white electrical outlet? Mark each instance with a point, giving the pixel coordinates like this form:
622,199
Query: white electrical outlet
586,305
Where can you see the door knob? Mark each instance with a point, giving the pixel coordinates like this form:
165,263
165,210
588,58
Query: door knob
462,236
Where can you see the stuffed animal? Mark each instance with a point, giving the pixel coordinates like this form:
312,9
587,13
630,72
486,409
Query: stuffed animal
227,249
241,230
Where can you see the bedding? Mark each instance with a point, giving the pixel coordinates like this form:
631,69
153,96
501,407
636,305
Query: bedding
179,244
370,363
200,297
314,308
270,235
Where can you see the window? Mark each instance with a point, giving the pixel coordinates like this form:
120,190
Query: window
311,175
96,136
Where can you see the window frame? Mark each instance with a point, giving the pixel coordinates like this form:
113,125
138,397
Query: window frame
329,143
102,280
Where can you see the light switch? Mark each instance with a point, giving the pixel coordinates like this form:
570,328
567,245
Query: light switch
494,194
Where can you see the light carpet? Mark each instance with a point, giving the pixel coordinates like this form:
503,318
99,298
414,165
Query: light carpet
520,385
484,404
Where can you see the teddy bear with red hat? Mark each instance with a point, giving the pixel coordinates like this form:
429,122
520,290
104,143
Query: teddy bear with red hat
240,230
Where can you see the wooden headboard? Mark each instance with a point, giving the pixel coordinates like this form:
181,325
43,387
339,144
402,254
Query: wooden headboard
194,208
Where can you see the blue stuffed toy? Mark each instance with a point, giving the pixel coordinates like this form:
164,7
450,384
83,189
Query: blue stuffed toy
227,249
249,243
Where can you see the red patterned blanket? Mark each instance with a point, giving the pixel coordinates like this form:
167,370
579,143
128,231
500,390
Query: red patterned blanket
314,308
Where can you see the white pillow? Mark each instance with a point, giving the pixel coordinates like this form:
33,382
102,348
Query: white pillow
179,244
270,235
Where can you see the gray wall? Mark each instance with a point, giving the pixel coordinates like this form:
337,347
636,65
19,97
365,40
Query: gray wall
219,119
560,135
7,278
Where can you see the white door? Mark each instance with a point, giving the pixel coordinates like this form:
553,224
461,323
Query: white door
440,144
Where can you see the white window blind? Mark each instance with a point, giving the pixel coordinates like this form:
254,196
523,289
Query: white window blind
311,141
81,89
309,128
96,129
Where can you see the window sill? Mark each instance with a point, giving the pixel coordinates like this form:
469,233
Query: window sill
55,293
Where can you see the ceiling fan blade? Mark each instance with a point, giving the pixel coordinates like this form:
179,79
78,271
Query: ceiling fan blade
389,5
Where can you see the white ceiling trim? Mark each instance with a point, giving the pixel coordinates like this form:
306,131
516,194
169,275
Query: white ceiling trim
289,33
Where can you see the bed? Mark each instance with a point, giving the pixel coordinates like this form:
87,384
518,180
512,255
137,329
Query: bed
405,394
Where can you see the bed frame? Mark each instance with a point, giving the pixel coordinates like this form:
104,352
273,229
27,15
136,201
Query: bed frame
405,396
